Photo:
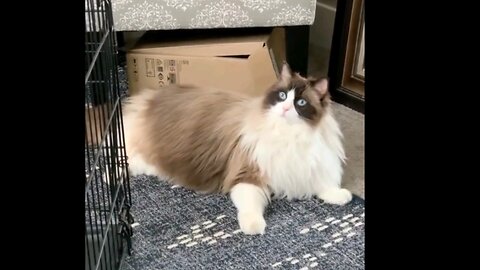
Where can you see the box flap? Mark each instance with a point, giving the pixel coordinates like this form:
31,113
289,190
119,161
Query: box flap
277,49
262,72
207,45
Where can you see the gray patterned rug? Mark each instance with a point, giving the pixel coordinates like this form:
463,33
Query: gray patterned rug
179,229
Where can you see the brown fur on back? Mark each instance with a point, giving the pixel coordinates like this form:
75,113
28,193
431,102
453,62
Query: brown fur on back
192,136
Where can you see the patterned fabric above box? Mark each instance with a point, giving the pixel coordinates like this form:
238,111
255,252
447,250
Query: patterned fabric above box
140,15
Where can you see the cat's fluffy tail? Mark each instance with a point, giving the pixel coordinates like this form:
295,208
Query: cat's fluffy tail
97,133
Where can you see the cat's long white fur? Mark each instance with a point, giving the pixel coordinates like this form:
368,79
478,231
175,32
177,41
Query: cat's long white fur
299,161
250,201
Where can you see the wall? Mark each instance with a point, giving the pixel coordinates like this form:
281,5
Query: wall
321,33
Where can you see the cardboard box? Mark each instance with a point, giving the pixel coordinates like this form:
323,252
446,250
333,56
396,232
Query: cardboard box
245,63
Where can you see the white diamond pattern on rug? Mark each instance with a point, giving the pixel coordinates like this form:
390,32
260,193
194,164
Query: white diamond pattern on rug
199,233
177,225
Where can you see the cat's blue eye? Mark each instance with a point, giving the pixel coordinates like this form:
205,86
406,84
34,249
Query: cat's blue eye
282,95
301,102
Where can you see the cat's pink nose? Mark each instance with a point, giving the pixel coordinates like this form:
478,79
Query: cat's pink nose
286,107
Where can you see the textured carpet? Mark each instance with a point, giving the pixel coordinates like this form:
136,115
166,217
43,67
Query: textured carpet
352,125
183,230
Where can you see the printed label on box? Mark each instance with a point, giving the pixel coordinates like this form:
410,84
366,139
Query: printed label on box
150,67
168,71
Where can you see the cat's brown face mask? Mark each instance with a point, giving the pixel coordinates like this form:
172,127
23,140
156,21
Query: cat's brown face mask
296,98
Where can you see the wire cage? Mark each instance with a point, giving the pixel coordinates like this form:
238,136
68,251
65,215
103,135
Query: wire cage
107,188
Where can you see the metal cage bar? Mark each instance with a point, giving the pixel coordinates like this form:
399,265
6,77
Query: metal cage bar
107,187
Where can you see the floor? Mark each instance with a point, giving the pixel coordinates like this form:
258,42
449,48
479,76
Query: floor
352,125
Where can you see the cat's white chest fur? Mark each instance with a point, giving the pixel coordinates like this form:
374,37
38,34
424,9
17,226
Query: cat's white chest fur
297,160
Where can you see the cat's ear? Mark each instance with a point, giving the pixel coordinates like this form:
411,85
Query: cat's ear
320,86
286,74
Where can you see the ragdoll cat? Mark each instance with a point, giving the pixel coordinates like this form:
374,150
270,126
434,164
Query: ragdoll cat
285,143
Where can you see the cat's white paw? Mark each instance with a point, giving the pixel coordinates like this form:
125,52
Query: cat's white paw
339,196
251,223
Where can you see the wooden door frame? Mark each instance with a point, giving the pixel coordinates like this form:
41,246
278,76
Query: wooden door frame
347,87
